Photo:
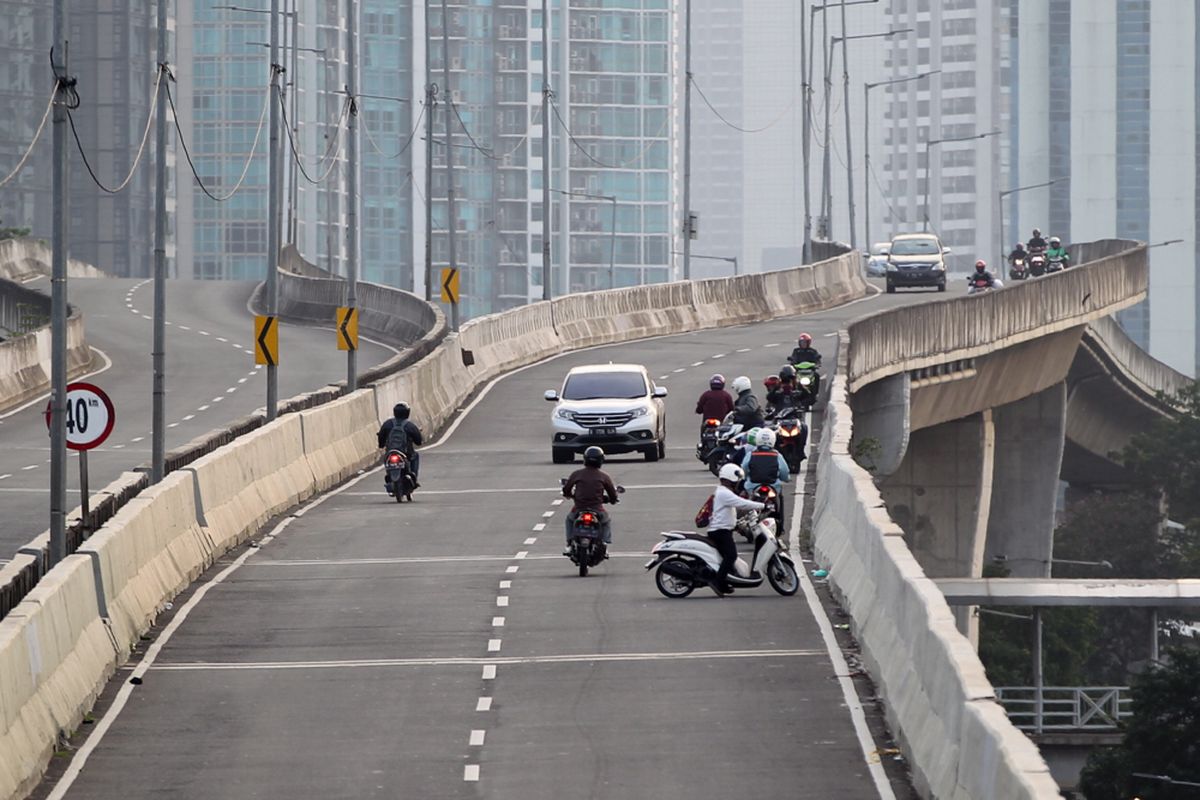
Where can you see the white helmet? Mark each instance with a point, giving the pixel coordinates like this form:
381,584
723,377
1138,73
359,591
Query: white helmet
752,436
732,473
766,438
740,384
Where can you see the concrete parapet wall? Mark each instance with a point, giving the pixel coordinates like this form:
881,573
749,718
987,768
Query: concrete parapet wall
22,259
913,337
958,740
92,607
25,359
1134,365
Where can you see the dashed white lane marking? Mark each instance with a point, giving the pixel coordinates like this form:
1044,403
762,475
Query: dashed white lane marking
471,773
484,704
505,584
698,364
217,399
718,355
5,475
137,439
31,466
249,353
489,672
681,369
222,339
521,554
173,425
531,540
477,738
663,377
189,417
184,328
493,645
243,380
497,622
541,526
117,446
547,514
147,316
558,502
772,344
512,570
231,390
502,602
830,334
204,333
203,408
743,350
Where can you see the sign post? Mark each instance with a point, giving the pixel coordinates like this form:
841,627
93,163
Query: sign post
90,417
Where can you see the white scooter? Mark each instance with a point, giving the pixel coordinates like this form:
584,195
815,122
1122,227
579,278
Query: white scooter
687,560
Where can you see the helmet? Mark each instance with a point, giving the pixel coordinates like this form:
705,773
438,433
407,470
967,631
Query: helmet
1037,232
752,436
980,265
804,340
1019,246
766,438
401,410
716,381
771,382
787,373
732,473
593,456
1055,241
741,384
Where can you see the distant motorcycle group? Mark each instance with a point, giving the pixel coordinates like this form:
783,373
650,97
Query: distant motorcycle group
1040,257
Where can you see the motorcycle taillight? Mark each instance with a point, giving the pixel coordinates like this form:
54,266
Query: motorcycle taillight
587,519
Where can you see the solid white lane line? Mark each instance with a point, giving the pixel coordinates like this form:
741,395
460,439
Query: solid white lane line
484,704
368,562
505,584
497,622
493,661
489,672
541,526
502,602
530,540
477,737
493,645
471,773
122,697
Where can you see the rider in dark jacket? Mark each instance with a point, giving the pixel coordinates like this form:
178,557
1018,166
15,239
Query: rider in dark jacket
1018,251
779,394
716,402
405,438
804,351
590,487
746,409
1037,241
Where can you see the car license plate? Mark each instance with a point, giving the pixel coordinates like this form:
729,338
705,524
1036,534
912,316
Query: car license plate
604,431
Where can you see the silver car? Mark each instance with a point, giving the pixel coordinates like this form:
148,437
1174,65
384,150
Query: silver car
877,260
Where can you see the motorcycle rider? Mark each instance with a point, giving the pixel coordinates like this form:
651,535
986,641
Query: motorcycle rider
1057,254
747,411
804,351
779,394
981,273
726,504
402,434
590,487
1036,242
716,402
1018,251
764,466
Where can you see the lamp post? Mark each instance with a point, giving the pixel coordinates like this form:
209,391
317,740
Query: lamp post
930,143
612,233
807,53
867,87
1000,204
727,259
843,39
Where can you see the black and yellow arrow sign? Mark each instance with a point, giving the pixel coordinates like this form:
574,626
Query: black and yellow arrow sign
347,328
449,284
266,341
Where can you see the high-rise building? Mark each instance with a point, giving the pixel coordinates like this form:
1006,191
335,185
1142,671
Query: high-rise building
1118,124
113,57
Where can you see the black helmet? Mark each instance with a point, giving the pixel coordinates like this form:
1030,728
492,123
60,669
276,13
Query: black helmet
787,373
716,381
593,456
401,410
1037,232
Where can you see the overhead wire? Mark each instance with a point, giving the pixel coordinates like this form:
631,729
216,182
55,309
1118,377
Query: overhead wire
407,141
487,151
36,136
735,126
253,147
653,140
330,151
137,160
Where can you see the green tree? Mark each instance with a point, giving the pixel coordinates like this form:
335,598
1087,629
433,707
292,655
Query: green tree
1161,738
1168,457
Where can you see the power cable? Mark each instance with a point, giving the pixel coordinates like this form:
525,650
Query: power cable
407,141
489,152
736,127
330,152
620,165
36,136
137,160
253,147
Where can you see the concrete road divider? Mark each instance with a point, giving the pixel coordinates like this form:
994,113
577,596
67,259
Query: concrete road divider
339,438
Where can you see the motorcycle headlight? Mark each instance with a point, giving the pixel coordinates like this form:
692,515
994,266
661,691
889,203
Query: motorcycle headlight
565,413
641,411
806,381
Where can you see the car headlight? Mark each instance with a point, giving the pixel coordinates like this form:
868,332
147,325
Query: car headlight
641,411
940,266
565,413
891,267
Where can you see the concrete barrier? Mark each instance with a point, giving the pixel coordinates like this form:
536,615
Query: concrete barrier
958,740
25,359
95,604
22,259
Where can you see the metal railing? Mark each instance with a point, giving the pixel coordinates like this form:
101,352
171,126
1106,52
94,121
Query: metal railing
1066,708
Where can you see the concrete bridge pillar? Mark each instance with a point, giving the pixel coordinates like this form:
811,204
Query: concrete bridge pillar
1030,437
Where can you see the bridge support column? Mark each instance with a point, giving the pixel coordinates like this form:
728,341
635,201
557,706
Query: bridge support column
941,497
1029,453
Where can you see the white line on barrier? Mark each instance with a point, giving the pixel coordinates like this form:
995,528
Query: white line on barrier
93,741
849,693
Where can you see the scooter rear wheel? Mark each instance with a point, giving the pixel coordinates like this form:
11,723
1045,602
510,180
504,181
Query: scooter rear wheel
671,585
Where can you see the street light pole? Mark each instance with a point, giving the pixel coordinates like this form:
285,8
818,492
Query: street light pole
428,164
930,143
352,183
687,144
867,87
58,294
727,259
451,222
1000,205
273,210
612,232
547,212
158,357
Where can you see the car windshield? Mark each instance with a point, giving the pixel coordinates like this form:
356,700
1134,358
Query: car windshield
604,386
915,247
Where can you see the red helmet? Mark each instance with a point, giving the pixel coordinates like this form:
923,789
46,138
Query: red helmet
980,265
771,381
804,340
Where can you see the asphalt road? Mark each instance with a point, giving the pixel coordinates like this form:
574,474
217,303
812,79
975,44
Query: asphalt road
211,379
445,649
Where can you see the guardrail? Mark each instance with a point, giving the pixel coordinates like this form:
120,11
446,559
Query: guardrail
912,337
1066,708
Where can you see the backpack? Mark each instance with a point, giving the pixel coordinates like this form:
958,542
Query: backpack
704,515
397,438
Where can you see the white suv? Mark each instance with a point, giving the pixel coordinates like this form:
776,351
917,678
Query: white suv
615,406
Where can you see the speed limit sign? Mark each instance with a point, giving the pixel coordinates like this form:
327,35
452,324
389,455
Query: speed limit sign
90,416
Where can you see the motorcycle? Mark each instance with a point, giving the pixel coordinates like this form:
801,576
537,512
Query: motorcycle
727,444
1037,263
981,285
586,547
808,384
398,476
686,561
1055,265
765,494
708,439
1018,271
790,438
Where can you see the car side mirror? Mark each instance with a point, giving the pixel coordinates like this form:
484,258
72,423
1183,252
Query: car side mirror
946,251
885,252
660,391
551,395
